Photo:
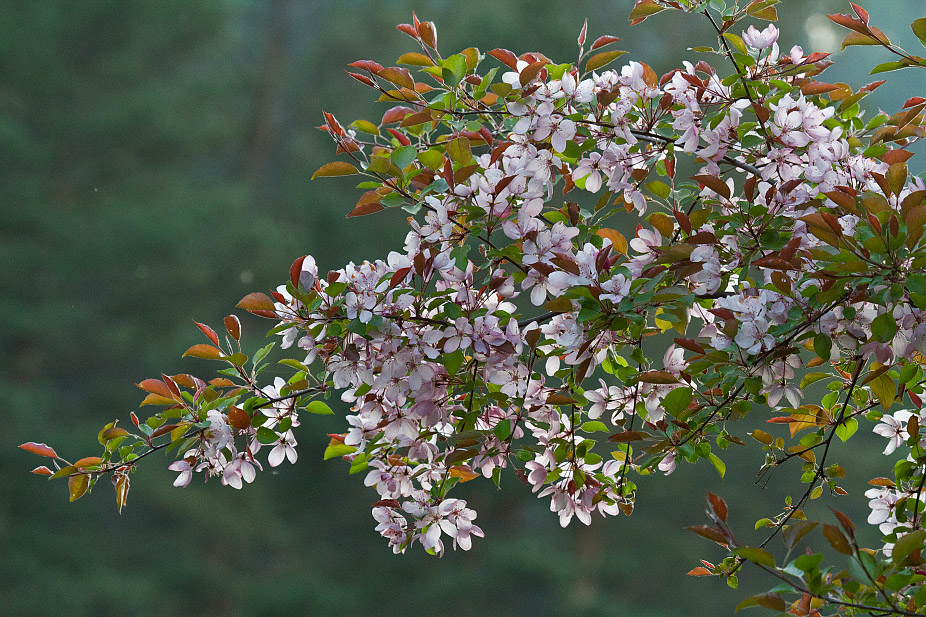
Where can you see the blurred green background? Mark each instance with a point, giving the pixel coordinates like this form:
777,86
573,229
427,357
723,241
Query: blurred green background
154,167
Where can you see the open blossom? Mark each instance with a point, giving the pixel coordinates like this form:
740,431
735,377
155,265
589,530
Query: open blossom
760,40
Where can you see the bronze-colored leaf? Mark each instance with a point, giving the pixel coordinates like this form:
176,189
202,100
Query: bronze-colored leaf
39,448
335,168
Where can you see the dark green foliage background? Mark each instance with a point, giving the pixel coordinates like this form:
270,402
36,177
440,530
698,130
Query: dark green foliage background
154,168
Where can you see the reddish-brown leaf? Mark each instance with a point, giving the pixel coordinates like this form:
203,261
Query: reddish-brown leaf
88,461
233,325
505,57
718,505
39,448
699,571
601,41
365,208
713,183
710,533
42,471
209,332
206,352
256,301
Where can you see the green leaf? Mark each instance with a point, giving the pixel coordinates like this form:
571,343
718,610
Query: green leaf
884,389
403,157
432,159
460,151
677,401
822,345
846,429
771,601
319,408
883,328
908,543
718,464
365,126
338,449
452,361
335,168
266,436
599,60
595,426
757,555
919,29
808,563
886,67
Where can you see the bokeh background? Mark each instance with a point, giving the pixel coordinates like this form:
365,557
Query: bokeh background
154,167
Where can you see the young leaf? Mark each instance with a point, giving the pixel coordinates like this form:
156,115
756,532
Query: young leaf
335,168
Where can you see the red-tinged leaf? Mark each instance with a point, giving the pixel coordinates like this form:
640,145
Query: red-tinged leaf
723,313
42,471
362,79
560,399
122,491
157,399
396,114
773,263
221,382
618,241
689,344
837,540
233,325
856,38
209,332
658,377
817,87
88,461
399,76
847,21
428,33
702,237
913,102
408,29
77,486
505,57
581,39
771,601
365,208
386,503
256,301
862,13
845,522
367,65
416,119
294,271
628,436
531,71
713,183
39,448
643,9
206,352
403,139
781,420
415,59
882,482
601,41
718,505
111,433
335,168
599,60
699,571
399,276
710,533
897,155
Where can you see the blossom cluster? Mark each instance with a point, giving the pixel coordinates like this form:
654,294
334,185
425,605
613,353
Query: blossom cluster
516,328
